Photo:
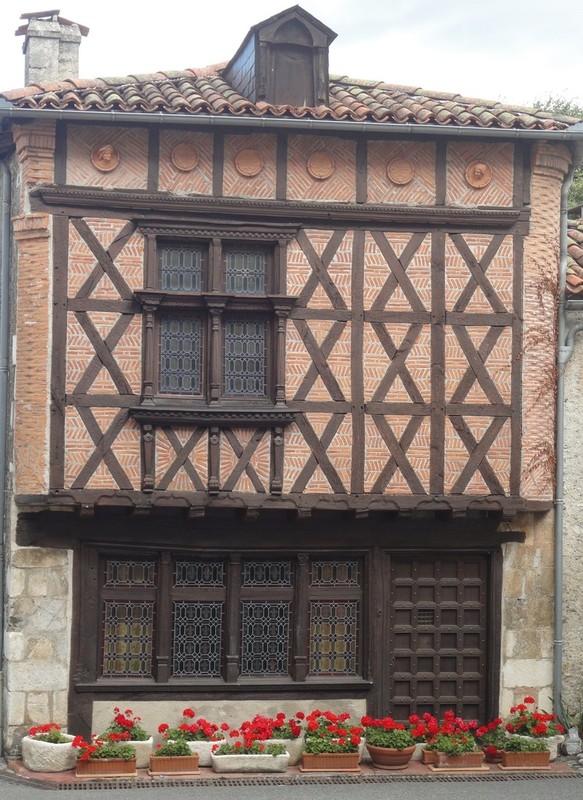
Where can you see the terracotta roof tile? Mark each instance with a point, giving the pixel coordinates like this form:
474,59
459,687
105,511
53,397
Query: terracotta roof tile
575,257
205,91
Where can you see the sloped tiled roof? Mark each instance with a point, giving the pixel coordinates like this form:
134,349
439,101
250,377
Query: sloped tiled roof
205,91
575,257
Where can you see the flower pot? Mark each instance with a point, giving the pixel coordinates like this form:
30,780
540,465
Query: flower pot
418,752
390,757
471,760
39,756
525,760
492,755
262,762
293,746
174,765
330,762
428,756
203,749
106,768
552,742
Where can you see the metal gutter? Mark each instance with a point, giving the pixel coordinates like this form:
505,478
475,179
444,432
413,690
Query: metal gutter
4,354
8,111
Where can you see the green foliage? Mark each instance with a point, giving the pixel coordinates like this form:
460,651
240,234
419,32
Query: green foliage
177,748
523,744
112,750
569,108
253,748
395,738
454,744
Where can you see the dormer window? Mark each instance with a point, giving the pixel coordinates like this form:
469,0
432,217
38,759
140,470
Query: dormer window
284,61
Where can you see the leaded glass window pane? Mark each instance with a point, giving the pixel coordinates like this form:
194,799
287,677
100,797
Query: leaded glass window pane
267,573
245,271
128,636
265,638
333,637
181,269
180,355
199,573
335,573
130,573
245,357
197,639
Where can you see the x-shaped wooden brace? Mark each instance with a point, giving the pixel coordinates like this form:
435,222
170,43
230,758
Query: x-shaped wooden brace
103,443
244,455
398,450
478,451
398,271
319,456
397,367
477,365
478,273
104,347
319,274
182,459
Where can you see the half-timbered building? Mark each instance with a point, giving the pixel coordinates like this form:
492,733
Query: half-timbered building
283,395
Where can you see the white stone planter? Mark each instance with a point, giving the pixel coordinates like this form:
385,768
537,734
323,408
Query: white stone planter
419,747
293,746
39,756
250,763
204,750
143,751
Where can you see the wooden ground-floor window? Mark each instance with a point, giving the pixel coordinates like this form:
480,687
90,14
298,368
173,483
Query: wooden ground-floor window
173,616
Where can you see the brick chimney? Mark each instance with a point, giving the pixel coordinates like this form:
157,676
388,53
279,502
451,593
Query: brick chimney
51,47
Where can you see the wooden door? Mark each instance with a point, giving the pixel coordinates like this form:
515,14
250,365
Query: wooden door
437,638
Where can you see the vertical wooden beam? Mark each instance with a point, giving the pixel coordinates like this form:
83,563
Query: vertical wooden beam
493,628
218,164
277,446
59,354
361,170
437,446
163,632
300,665
61,152
216,312
233,618
356,361
281,167
152,269
149,353
215,270
518,175
214,460
441,172
148,457
153,159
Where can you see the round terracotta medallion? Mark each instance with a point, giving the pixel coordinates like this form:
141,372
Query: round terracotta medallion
400,170
104,157
184,157
321,165
248,163
478,174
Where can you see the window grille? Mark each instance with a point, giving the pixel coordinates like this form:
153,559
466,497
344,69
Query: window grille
180,355
199,573
181,269
267,573
245,357
245,272
335,573
333,638
128,634
265,638
130,573
197,639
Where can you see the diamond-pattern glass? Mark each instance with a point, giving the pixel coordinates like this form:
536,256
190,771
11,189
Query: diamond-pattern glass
128,636
197,639
267,573
130,573
199,573
333,638
245,271
335,573
245,357
181,269
265,638
180,355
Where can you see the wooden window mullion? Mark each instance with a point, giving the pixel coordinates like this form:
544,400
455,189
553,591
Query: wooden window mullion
163,620
233,619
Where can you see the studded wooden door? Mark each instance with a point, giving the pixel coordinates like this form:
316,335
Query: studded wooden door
437,635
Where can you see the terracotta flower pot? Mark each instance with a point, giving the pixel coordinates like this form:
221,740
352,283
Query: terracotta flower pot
174,765
471,760
525,760
106,768
428,756
203,749
492,756
330,762
390,757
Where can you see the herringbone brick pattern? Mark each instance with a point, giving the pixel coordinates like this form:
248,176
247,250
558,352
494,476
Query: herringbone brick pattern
377,454
259,461
421,189
498,156
198,180
261,185
166,457
339,187
131,145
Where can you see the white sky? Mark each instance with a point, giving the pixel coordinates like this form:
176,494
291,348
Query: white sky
516,51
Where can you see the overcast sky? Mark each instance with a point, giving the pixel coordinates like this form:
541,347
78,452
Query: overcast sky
516,51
